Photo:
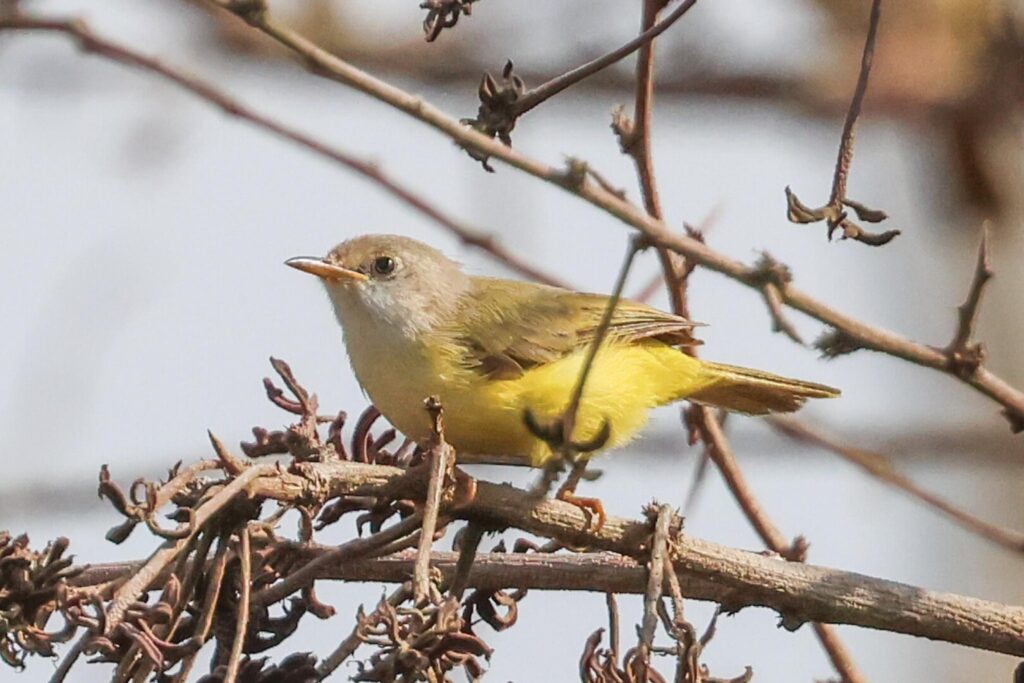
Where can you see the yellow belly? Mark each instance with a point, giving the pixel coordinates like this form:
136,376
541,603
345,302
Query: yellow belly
625,383
485,416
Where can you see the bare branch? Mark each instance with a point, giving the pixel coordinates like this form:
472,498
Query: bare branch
878,466
833,213
721,454
711,572
242,616
442,459
535,96
205,90
965,357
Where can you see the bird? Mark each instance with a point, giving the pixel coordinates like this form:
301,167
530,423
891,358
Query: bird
496,352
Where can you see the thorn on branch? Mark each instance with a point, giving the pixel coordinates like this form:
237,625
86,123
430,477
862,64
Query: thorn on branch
253,12
964,356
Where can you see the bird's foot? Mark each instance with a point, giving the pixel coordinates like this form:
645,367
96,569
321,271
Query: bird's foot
593,508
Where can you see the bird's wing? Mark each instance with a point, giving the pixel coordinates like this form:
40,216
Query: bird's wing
508,327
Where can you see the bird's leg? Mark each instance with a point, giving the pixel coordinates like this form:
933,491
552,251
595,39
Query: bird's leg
592,507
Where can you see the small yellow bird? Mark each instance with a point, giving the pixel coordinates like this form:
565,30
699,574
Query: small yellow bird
416,326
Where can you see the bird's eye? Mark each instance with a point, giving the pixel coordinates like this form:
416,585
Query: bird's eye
384,265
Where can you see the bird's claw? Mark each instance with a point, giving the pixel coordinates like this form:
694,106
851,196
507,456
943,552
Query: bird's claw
592,507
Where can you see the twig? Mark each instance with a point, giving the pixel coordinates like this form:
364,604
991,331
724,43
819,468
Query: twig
242,615
879,466
965,357
348,647
356,548
166,554
613,624
833,212
440,461
569,416
655,585
721,454
90,42
214,581
635,140
845,155
69,659
469,543
780,323
535,96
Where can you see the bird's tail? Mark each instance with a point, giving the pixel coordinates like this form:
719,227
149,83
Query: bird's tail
754,392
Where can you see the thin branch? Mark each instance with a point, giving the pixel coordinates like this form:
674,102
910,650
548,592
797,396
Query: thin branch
354,549
965,357
348,647
70,658
90,42
879,466
569,416
441,460
655,585
834,213
535,96
780,323
613,624
845,155
136,585
635,140
721,454
242,614
214,583
469,543
707,571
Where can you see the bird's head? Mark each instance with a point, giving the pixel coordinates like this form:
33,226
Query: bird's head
388,280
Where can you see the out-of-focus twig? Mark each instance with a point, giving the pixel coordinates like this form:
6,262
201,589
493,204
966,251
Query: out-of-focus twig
503,102
90,42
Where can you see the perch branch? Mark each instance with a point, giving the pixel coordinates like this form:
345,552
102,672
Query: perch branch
707,571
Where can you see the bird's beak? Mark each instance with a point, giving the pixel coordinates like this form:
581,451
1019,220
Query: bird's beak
323,269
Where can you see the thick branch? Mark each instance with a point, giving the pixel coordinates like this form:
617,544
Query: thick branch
706,570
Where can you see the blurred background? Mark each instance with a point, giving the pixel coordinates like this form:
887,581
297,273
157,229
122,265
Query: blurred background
142,287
